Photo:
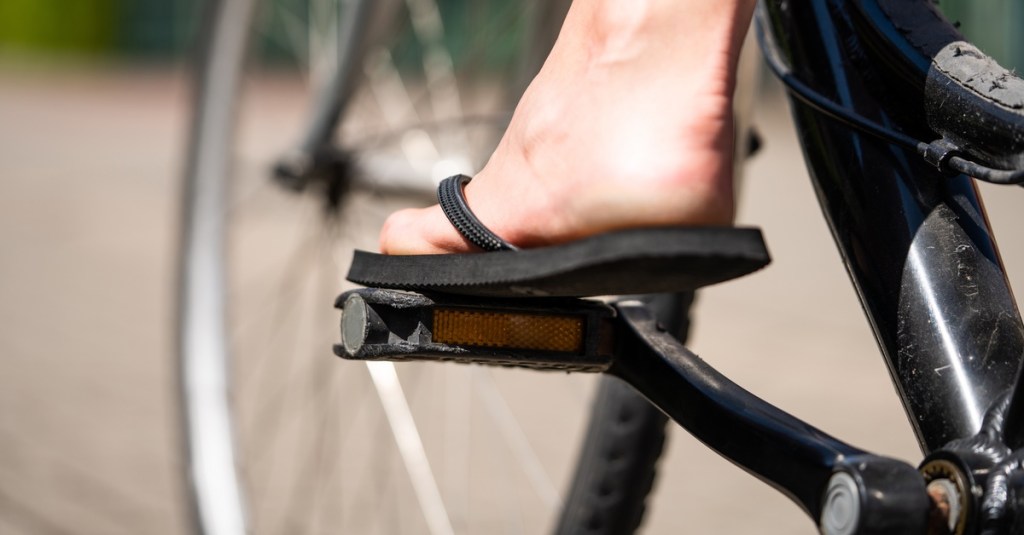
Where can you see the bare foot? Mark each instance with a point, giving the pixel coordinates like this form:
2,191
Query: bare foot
629,124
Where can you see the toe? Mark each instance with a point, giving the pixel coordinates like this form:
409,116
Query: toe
421,231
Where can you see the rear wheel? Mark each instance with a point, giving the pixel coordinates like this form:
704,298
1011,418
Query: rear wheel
306,443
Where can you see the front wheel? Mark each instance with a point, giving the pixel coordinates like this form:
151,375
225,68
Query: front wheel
282,436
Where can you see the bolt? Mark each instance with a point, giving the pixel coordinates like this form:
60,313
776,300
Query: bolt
945,511
841,512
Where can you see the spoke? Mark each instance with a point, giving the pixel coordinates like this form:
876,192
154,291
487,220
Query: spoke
397,108
327,493
442,85
410,446
297,297
285,306
457,437
317,458
515,438
295,34
279,414
314,457
513,515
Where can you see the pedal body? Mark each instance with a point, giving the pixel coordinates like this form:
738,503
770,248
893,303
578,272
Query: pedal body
548,334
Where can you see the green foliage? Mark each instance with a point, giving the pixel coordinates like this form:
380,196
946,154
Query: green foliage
96,27
58,25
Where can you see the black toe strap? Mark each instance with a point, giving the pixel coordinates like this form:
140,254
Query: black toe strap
453,204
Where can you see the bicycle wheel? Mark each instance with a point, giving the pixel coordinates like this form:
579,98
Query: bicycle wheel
309,443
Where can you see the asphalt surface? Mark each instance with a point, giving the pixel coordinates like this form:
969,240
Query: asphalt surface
89,161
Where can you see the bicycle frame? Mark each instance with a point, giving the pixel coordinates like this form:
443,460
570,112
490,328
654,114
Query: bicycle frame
916,243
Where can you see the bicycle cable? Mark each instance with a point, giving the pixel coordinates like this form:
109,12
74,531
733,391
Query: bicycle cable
945,155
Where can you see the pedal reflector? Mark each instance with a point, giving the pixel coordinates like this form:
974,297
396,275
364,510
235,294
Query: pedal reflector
508,330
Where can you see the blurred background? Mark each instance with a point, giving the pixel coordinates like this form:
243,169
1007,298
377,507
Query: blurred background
97,29
93,119
154,30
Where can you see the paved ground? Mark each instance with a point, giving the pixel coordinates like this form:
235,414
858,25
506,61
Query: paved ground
87,207
88,436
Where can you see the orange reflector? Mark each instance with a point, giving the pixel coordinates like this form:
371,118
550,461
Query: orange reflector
508,330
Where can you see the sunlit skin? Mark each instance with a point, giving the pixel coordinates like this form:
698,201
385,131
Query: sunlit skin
628,124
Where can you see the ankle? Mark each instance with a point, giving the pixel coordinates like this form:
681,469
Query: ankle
685,33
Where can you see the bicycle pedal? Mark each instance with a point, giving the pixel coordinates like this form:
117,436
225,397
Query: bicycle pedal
549,334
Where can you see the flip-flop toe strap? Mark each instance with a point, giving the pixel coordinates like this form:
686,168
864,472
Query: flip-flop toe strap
453,203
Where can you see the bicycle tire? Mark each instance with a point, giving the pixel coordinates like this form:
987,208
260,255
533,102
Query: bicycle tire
625,438
617,465
223,485
968,97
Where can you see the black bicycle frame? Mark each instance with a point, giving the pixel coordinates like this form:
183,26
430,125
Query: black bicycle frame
916,243
921,256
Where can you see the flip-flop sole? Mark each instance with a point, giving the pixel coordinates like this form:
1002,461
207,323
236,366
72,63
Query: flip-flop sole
651,260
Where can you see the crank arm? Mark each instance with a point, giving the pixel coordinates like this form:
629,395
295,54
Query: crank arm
845,489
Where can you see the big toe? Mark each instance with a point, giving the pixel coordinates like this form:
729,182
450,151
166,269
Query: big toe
421,231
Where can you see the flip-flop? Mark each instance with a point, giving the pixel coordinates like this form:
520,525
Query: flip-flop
635,261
